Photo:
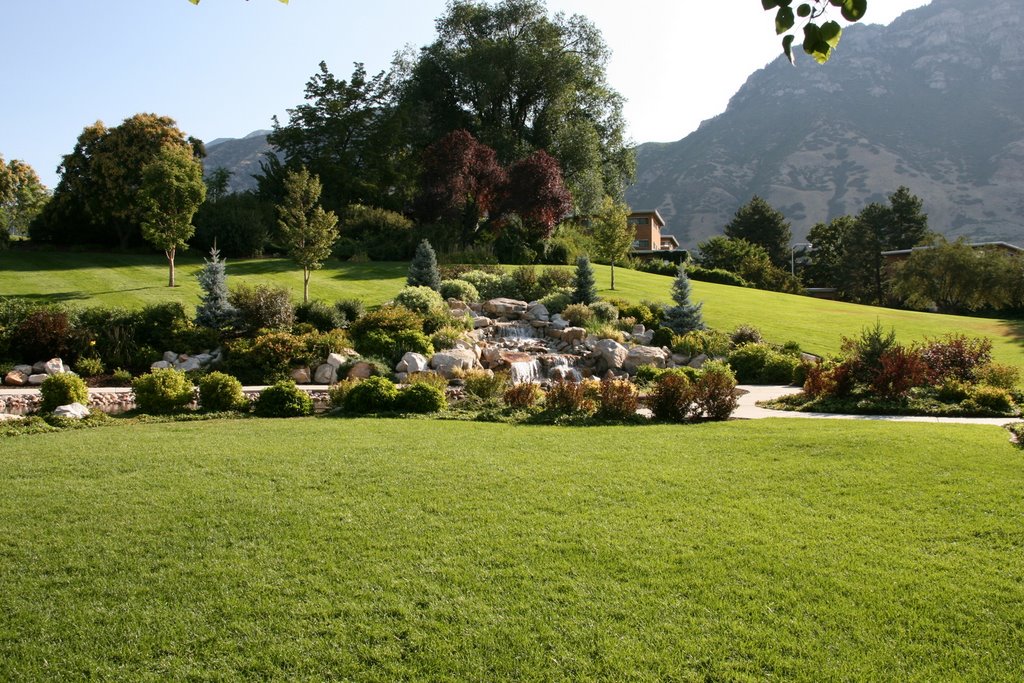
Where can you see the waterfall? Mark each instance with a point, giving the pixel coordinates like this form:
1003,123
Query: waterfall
514,331
525,371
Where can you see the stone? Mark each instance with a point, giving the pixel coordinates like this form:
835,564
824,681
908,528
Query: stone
75,411
325,373
15,378
170,357
204,358
37,378
611,353
401,377
679,359
805,357
360,370
188,365
415,362
301,376
558,322
639,329
336,360
447,362
644,339
573,334
490,356
645,355
504,308
54,366
8,417
160,365
481,321
38,368
538,312
402,367
23,369
698,361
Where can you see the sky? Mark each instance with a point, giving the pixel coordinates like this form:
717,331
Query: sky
225,67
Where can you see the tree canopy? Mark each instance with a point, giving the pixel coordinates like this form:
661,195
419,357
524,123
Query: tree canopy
758,222
306,229
22,196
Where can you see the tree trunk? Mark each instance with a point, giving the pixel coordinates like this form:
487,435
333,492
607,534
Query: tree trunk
613,275
305,285
170,263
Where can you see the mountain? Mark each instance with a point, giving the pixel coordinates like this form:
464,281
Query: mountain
241,156
934,101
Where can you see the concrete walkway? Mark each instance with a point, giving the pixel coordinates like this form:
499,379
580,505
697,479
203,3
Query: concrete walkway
748,410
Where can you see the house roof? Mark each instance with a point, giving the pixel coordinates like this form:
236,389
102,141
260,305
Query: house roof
657,216
972,245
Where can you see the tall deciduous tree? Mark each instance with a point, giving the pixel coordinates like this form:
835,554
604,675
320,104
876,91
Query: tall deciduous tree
537,194
306,229
22,196
953,277
613,235
759,222
170,193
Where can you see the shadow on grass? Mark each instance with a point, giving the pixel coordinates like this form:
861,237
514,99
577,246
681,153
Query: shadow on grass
52,297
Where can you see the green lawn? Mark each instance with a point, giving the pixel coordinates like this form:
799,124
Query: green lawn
134,280
430,550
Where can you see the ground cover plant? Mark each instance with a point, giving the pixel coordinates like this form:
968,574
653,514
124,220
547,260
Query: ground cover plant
366,549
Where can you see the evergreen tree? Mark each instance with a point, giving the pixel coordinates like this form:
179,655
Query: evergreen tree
760,223
423,269
215,312
684,316
585,287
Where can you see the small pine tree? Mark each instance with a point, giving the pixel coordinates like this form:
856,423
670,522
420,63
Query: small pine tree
423,269
585,287
683,317
215,311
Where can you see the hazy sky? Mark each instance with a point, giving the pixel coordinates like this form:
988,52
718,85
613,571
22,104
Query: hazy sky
222,69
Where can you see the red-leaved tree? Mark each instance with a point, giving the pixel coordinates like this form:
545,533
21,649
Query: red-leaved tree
536,192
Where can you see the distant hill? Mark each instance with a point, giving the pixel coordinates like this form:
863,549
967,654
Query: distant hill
241,156
935,101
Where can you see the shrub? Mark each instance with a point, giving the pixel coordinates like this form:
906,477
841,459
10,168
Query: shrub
578,315
446,337
388,332
351,309
485,385
584,286
708,342
459,289
672,397
557,301
992,398
717,276
373,395
552,279
421,397
610,332
283,399
524,284
714,394
320,314
262,307
646,313
604,312
746,334
221,392
571,398
337,392
163,326
900,370
663,336
998,375
271,355
866,351
432,378
953,391
956,356
684,316
761,364
122,376
618,400
658,266
423,269
214,312
522,395
488,285
161,392
89,366
43,334
419,299
62,389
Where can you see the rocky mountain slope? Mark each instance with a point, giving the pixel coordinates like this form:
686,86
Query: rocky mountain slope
241,156
935,101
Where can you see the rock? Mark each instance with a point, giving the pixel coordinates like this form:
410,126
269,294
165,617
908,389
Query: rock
301,376
645,355
481,321
402,367
698,361
75,411
415,362
326,373
14,378
170,357
360,370
644,339
805,357
204,359
8,417
23,369
54,366
447,362
188,364
38,368
679,359
490,356
37,378
160,365
639,329
401,377
612,353
336,360
573,334
538,312
558,322
504,308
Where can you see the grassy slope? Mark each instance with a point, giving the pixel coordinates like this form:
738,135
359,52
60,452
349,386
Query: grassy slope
133,280
390,550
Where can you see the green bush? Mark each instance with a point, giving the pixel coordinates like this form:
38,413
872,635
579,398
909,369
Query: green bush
388,320
761,364
350,309
746,334
672,398
716,275
122,376
421,397
459,289
714,393
219,392
572,398
420,299
485,385
489,285
619,400
604,312
992,398
553,279
62,389
373,395
578,315
262,307
337,392
522,395
165,326
320,314
664,336
162,392
646,313
89,366
283,399
708,342
558,300
998,375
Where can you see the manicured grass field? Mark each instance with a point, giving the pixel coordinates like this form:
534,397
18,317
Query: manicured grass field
430,550
134,280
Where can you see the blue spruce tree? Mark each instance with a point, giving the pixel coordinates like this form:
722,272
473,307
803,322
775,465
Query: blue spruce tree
684,316
215,311
585,287
423,269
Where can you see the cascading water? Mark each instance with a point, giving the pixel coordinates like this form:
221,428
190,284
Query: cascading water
526,371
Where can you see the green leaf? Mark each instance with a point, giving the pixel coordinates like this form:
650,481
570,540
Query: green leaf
784,20
814,45
803,10
767,4
787,48
853,10
831,32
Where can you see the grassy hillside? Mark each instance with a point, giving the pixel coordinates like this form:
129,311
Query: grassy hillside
395,550
133,280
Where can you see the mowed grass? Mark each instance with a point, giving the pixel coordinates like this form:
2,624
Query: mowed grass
135,280
394,550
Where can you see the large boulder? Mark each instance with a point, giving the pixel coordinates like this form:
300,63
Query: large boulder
537,312
360,370
23,369
336,360
37,378
170,357
301,376
611,354
160,365
558,322
74,411
504,308
415,362
325,373
574,334
15,378
54,366
645,355
188,364
447,362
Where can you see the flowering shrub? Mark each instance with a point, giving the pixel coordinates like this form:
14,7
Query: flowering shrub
956,356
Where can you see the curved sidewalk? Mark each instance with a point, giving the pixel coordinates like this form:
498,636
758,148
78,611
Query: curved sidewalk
748,410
